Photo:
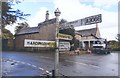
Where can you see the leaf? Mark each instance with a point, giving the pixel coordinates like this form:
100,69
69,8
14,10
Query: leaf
10,16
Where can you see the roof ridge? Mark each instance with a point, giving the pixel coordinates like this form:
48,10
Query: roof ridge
86,29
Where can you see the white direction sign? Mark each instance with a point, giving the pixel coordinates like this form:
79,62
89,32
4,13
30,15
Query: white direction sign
38,43
64,46
85,21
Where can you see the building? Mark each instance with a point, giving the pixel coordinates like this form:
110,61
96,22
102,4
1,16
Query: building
41,37
87,37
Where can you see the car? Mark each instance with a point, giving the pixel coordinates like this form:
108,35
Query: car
100,47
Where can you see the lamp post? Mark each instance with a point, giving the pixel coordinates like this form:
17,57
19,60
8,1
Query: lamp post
57,14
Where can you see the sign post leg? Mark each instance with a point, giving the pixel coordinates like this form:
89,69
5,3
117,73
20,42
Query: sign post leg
57,14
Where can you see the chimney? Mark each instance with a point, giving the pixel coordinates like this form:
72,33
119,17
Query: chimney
97,26
47,16
97,32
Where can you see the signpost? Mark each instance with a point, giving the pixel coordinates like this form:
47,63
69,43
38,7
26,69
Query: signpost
57,14
85,21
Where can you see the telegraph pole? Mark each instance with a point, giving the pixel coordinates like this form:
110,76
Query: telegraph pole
57,14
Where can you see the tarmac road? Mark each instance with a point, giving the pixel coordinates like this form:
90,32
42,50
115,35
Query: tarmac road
39,63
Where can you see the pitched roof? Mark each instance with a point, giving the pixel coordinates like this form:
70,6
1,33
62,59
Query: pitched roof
87,32
28,30
50,21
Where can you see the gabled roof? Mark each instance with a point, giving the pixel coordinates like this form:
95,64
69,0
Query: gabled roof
28,30
50,21
87,32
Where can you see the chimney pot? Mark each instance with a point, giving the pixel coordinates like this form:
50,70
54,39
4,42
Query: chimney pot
47,16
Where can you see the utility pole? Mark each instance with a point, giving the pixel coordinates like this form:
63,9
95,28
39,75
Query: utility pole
57,14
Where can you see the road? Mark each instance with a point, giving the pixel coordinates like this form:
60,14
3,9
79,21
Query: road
39,63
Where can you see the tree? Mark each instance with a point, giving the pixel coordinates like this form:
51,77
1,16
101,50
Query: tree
6,34
63,21
10,16
113,44
20,26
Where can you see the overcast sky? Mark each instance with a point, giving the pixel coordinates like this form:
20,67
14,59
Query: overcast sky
72,10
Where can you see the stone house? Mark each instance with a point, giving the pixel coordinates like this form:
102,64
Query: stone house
45,31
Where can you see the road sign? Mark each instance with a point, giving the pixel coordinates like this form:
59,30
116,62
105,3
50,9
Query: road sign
65,36
38,43
64,46
91,20
85,21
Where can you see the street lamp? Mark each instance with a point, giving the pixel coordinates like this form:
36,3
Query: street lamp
57,14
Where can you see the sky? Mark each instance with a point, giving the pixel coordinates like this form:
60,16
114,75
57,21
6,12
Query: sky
73,10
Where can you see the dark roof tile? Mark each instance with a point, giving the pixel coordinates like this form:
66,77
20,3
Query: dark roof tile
87,32
28,30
